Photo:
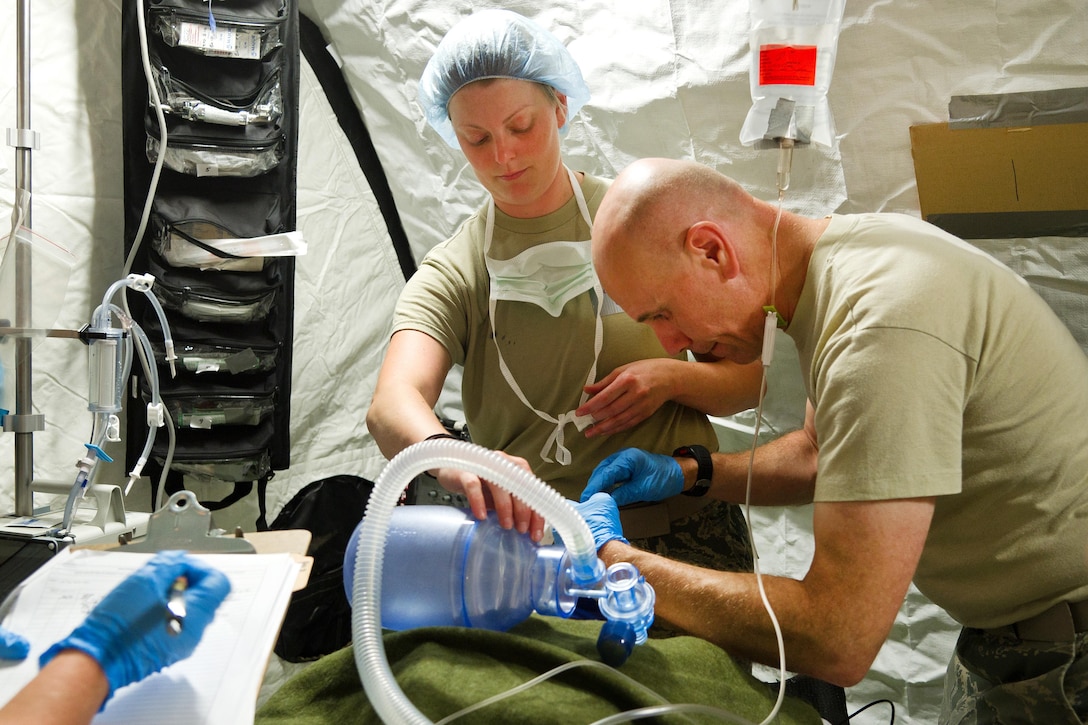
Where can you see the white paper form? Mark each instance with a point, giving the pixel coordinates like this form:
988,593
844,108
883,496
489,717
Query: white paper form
218,683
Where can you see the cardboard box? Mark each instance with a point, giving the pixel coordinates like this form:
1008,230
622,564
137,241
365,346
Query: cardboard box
1025,181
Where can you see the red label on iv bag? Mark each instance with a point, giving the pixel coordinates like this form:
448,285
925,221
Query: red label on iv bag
793,65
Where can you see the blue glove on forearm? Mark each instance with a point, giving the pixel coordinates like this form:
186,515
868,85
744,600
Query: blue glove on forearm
12,646
603,517
633,475
127,633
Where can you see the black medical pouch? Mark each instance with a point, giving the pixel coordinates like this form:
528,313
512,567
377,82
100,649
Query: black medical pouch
229,456
223,397
318,619
225,75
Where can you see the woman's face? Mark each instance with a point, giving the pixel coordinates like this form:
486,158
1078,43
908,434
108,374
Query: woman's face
509,131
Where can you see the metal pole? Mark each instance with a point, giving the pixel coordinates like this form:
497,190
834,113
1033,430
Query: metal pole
24,440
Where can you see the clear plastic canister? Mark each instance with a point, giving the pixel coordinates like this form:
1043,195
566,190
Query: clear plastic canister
442,567
105,373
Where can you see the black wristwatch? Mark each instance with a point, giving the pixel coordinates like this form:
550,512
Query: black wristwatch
705,474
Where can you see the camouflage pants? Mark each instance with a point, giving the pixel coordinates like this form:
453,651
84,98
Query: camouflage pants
997,679
714,537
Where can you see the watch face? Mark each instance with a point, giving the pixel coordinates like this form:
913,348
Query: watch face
700,488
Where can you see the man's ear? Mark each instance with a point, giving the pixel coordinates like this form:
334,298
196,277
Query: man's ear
707,242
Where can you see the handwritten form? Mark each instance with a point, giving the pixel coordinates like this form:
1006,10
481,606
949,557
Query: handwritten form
218,683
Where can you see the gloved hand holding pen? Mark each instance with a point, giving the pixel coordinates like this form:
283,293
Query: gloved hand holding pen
128,633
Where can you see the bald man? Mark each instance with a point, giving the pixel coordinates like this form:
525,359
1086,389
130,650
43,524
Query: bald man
944,440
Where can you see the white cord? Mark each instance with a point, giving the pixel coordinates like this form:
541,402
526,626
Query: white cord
157,105
627,716
152,188
768,350
755,558
536,681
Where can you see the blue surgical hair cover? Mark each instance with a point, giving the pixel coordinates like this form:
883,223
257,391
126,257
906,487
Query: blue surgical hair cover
496,43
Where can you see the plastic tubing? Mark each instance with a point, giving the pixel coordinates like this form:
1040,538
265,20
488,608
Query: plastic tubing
126,349
84,480
152,372
381,687
101,317
167,336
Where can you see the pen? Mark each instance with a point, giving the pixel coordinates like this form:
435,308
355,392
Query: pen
175,605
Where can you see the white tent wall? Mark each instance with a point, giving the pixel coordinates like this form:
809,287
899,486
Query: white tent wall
668,79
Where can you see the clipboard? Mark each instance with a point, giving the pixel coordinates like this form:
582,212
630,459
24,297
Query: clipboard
220,682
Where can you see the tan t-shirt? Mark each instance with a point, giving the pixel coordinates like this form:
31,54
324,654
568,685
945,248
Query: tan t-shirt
937,371
550,358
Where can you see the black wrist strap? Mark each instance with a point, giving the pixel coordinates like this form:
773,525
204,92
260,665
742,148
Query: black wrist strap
437,436
705,474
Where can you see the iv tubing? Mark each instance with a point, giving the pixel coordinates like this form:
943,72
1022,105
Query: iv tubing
85,478
767,356
141,283
381,687
152,373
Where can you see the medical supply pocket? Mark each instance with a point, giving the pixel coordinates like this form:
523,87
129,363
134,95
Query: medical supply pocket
234,453
249,29
210,406
229,357
264,105
189,231
212,351
227,297
208,156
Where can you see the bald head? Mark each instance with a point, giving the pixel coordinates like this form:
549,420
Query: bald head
643,221
692,254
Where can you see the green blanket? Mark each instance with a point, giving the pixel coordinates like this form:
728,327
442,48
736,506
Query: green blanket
445,669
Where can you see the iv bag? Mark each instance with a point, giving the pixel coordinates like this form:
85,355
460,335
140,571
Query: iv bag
793,45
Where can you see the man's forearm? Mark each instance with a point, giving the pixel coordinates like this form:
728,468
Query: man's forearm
726,608
783,472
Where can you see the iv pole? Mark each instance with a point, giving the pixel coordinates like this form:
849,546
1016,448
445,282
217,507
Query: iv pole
110,520
23,423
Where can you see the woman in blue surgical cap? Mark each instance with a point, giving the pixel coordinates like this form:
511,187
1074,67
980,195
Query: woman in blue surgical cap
556,376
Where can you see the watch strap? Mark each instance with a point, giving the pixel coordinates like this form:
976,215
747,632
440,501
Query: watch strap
705,473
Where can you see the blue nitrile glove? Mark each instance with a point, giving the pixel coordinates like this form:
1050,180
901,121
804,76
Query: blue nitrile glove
127,632
603,517
12,646
634,475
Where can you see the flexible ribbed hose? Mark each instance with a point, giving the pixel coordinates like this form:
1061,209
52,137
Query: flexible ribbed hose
381,687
